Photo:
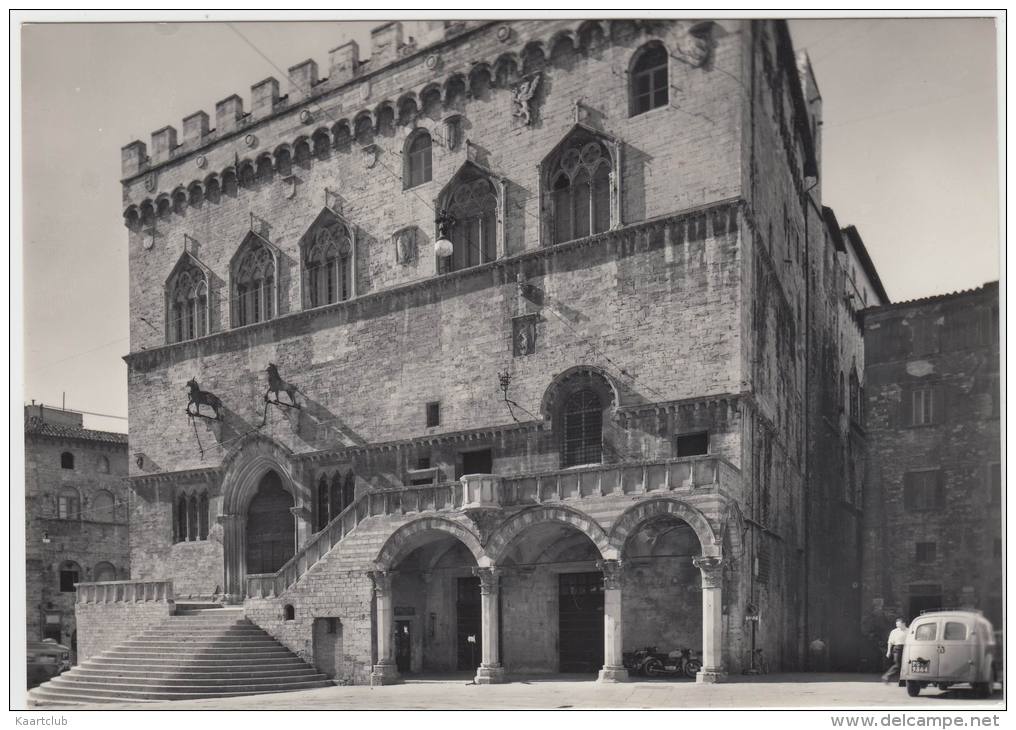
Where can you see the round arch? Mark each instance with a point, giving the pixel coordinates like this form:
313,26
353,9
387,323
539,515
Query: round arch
499,542
564,383
408,537
634,516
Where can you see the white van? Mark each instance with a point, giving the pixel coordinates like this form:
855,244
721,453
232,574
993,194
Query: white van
949,647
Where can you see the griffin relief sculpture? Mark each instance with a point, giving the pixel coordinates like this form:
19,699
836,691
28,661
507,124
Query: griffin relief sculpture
522,97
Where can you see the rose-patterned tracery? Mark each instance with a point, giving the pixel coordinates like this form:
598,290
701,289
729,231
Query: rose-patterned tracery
327,266
472,200
254,280
579,182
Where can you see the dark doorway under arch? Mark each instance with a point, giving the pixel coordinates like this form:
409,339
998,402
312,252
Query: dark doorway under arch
271,529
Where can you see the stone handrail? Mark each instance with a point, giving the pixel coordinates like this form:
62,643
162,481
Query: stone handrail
124,591
635,477
488,490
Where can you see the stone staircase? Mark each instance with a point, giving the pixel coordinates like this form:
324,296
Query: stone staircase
198,653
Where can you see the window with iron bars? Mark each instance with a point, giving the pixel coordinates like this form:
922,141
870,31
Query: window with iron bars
582,421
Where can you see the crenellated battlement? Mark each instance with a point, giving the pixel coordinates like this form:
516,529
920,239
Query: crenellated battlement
344,66
367,105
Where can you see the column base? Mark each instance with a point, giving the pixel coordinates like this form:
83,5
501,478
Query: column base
490,675
383,674
612,674
710,676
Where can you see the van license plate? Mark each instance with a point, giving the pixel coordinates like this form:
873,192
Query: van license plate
919,667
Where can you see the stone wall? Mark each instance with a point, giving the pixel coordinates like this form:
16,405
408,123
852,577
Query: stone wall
89,540
948,344
106,625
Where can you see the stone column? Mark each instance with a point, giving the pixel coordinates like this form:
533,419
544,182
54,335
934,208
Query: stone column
490,670
712,619
385,671
233,557
613,628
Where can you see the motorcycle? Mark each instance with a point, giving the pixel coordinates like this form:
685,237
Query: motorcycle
649,662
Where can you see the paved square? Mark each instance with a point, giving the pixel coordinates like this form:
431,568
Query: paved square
564,692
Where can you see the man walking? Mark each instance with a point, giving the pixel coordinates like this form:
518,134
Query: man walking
894,650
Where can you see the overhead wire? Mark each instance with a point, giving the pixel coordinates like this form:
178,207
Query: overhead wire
397,176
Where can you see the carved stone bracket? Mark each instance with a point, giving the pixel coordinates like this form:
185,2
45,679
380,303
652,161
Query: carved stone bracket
711,567
382,581
613,571
490,579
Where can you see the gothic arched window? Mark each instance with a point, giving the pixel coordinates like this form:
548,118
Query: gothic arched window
187,293
181,518
649,83
348,490
253,283
578,177
582,422
323,515
203,516
418,160
472,200
327,266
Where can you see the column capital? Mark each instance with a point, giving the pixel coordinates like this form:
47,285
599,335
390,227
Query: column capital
490,579
382,581
711,567
612,573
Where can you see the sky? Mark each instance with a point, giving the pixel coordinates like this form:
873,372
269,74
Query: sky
909,156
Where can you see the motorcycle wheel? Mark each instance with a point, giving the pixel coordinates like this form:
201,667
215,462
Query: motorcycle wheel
653,668
693,667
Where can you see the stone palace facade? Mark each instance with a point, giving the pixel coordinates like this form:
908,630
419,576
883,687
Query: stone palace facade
505,350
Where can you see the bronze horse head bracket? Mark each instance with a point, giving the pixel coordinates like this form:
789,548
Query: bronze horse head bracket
197,398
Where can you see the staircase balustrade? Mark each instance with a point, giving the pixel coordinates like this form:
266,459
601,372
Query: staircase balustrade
124,591
488,490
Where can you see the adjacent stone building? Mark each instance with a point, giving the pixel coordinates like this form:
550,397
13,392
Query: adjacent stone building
75,516
501,350
933,509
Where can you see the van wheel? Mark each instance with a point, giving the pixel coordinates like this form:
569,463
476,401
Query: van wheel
913,688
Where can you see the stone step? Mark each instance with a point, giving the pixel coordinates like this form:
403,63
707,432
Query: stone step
50,697
114,680
196,644
199,652
131,692
298,668
195,662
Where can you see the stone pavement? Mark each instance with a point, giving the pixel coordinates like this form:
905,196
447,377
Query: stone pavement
558,692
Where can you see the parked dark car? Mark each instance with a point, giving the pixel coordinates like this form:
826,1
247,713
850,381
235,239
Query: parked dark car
46,659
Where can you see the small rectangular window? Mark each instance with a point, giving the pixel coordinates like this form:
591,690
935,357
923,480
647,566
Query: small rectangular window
433,414
926,552
926,632
922,407
954,631
423,462
693,444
